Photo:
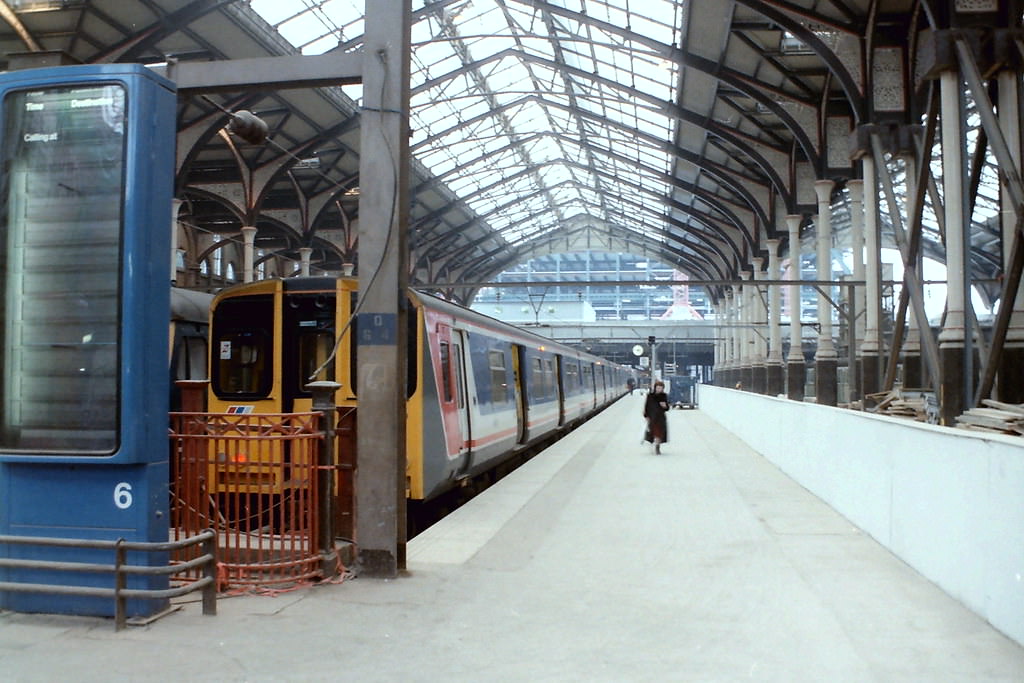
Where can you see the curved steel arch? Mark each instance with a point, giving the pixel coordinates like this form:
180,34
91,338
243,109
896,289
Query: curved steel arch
694,189
714,69
710,222
131,48
721,174
670,108
669,179
217,199
850,88
670,237
288,158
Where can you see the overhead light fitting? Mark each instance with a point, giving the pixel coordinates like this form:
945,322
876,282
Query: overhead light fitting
248,127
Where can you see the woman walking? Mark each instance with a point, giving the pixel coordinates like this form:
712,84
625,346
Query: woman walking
655,409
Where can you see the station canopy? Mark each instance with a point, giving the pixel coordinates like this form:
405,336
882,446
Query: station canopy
616,125
550,126
682,131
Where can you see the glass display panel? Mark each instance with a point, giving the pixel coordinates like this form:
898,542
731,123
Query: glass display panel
60,233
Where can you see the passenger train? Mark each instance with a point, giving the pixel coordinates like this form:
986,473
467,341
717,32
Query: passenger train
479,391
190,312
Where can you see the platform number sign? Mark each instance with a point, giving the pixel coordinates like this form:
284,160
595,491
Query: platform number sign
123,495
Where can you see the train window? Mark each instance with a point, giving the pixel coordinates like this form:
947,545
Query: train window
242,353
458,376
315,348
446,372
242,366
191,361
572,377
549,377
499,377
537,388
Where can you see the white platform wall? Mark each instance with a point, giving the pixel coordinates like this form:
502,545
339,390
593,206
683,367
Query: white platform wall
947,501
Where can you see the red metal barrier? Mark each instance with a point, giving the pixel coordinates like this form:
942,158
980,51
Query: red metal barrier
344,486
253,479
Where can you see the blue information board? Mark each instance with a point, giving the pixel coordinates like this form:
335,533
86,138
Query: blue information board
85,213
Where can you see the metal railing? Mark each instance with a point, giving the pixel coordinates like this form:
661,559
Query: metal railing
254,479
205,562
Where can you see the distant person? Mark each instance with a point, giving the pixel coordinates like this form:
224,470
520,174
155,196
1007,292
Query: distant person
655,410
631,385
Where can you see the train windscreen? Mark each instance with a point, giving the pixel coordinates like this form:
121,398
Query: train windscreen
60,233
243,347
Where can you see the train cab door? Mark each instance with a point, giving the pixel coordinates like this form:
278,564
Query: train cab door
308,339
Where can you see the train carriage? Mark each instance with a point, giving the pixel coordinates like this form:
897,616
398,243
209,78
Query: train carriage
187,339
479,391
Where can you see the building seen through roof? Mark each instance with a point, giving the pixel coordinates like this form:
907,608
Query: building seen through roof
644,300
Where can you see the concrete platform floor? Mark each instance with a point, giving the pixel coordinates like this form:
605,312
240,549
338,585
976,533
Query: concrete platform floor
596,561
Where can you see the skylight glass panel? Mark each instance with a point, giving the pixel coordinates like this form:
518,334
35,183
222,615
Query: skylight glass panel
275,11
481,119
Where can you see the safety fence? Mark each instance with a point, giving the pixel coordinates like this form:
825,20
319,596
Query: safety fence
202,549
255,479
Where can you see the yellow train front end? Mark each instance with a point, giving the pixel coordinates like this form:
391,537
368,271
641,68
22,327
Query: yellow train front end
268,341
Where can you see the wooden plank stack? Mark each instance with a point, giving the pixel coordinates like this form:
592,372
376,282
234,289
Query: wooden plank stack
1005,418
894,403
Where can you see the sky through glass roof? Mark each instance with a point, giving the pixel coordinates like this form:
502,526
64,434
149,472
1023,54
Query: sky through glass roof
506,110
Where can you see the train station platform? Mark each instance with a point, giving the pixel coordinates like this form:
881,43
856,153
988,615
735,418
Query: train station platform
595,561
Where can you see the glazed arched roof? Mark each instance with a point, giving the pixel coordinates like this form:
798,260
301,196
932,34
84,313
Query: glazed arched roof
683,130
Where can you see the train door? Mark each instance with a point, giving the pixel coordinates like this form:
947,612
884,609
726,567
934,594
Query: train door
519,391
591,377
308,331
452,394
561,390
188,357
462,394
